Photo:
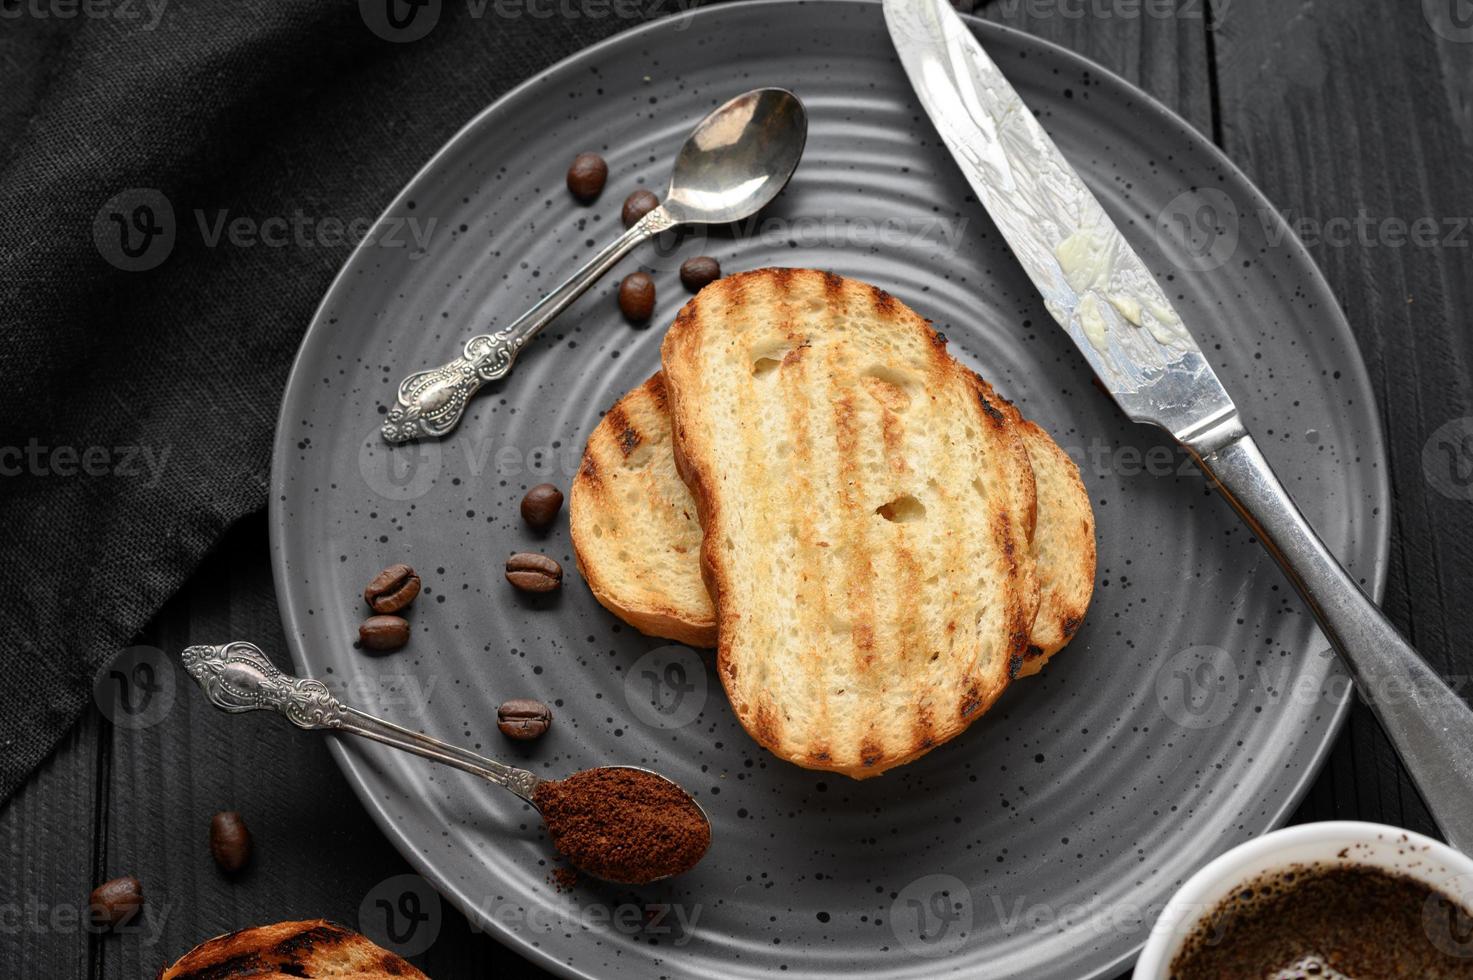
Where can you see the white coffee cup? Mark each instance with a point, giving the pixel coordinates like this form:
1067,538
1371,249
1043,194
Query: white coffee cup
1339,842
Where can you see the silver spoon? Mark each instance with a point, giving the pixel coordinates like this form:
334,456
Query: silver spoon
735,161
238,677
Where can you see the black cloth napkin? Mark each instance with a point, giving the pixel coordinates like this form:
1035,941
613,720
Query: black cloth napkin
180,183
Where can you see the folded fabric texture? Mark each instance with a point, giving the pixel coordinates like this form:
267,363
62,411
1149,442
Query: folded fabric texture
182,178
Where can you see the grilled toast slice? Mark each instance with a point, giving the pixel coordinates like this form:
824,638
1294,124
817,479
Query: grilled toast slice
312,948
865,512
1063,543
635,531
1063,548
637,539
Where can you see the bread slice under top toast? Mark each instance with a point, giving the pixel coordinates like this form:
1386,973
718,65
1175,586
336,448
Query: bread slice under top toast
1063,548
635,532
865,512
1063,542
637,538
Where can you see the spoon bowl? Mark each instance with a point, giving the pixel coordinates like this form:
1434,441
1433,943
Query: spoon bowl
738,158
667,811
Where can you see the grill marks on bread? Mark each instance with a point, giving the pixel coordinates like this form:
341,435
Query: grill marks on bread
1063,543
852,637
635,526
312,948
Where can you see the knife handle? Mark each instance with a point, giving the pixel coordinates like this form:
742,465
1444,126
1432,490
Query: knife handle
1428,723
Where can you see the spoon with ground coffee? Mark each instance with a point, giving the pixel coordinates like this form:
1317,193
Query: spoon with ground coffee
623,824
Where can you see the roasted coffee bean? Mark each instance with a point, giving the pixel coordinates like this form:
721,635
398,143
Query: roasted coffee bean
699,272
587,175
637,297
523,719
230,841
392,589
533,573
541,504
384,632
637,205
114,902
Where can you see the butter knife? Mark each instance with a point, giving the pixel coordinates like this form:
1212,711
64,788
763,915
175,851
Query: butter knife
1103,295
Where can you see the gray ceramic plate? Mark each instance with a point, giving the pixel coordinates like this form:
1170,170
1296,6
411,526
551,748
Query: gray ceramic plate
1191,711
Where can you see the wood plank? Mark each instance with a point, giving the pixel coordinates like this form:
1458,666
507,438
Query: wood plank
1361,108
1165,55
47,858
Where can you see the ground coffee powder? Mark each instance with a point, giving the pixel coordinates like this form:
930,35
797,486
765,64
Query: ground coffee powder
623,825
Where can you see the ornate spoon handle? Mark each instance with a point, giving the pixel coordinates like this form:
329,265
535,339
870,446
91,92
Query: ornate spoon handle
238,677
432,402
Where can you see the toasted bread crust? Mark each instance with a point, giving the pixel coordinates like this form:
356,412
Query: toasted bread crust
286,950
1063,544
634,523
1064,550
898,639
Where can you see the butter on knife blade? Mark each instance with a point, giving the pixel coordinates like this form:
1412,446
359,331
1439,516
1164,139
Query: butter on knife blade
1092,281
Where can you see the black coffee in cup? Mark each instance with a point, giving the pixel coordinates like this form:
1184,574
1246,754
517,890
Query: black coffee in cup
1328,922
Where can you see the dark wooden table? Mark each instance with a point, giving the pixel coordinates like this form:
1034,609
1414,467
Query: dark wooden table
1356,119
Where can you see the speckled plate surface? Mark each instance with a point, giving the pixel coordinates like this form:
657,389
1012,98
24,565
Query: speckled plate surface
1188,715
